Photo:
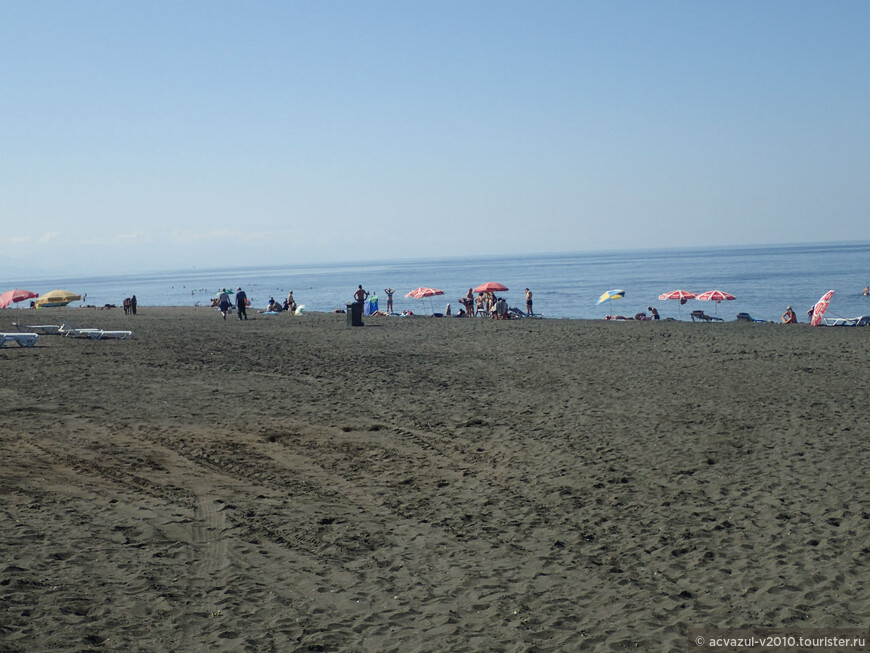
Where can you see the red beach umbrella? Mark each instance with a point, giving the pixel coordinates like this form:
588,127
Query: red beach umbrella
678,294
681,295
820,308
491,286
715,296
16,295
420,293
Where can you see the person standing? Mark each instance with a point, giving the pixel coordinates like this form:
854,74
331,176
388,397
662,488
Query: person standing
132,304
224,302
529,310
389,292
242,303
360,295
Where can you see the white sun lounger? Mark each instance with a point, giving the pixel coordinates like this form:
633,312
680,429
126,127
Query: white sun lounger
863,320
111,335
69,331
45,329
20,339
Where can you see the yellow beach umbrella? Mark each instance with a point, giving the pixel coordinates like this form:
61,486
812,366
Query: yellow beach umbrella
57,298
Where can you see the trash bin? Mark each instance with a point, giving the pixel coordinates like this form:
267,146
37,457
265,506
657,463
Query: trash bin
354,313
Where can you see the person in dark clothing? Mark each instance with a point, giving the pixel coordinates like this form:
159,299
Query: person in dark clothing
224,302
241,304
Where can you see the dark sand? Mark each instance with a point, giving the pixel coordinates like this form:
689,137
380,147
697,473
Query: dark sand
295,484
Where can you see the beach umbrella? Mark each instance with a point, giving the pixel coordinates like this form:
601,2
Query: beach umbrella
611,295
57,298
680,295
420,293
491,286
820,308
715,296
16,296
424,292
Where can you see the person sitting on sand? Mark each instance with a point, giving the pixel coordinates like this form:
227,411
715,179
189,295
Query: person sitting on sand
501,308
653,312
789,316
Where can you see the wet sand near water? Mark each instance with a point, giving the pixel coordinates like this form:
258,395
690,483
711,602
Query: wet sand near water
422,484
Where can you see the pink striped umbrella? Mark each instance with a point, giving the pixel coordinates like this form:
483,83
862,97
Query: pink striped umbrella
715,296
420,293
680,295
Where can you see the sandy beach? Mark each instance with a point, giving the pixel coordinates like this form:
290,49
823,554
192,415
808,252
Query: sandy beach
423,484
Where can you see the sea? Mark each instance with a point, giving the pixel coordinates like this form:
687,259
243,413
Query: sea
763,279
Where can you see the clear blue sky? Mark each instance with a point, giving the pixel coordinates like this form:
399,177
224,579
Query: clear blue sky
172,134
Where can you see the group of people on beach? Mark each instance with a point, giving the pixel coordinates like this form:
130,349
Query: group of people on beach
288,305
485,303
224,303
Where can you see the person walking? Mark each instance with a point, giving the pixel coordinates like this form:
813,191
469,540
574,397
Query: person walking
242,303
224,302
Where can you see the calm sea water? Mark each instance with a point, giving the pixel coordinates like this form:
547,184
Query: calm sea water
764,279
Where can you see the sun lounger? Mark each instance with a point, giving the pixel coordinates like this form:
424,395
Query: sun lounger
863,320
746,317
20,339
45,329
98,334
701,316
69,331
112,335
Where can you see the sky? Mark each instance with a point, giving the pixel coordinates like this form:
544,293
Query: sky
166,135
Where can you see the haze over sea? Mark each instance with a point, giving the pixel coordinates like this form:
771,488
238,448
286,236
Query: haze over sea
764,279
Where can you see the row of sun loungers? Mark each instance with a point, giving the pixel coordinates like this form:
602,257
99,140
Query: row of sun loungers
68,330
